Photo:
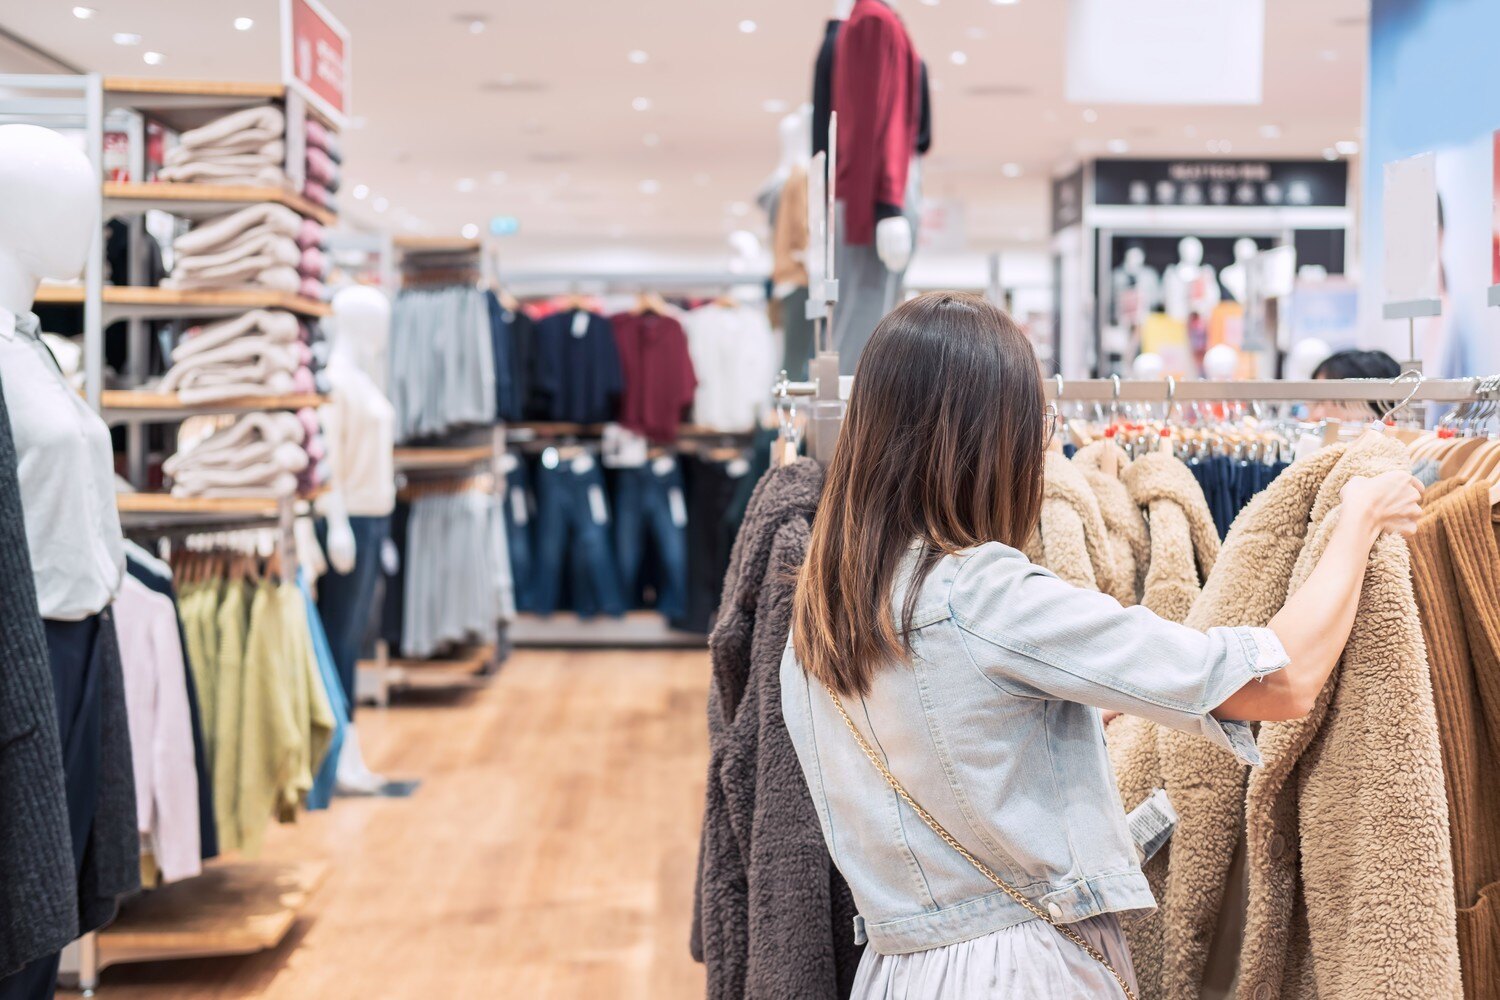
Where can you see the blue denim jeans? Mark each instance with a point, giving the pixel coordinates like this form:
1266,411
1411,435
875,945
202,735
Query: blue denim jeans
344,599
573,524
650,501
519,504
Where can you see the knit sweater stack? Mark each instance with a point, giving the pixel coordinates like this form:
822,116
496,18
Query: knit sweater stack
259,455
243,148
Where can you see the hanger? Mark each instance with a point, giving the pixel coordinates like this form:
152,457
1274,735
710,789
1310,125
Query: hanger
1110,464
651,303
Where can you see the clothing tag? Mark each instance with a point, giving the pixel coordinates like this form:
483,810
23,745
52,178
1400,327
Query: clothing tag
737,468
549,458
507,316
580,323
596,505
664,465
509,463
583,463
518,512
1152,824
390,557
678,507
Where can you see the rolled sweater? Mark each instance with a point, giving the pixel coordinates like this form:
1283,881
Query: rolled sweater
225,231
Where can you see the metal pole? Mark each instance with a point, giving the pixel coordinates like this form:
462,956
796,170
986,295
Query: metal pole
93,272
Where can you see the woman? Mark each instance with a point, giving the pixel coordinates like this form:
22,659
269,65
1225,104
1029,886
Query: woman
978,678
1354,364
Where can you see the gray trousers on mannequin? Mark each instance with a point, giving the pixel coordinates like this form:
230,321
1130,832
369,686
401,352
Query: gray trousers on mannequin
867,288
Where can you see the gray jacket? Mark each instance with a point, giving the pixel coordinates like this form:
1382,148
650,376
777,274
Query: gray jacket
773,918
38,888
993,726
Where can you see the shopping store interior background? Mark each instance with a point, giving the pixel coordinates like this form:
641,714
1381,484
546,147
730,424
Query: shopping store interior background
1193,188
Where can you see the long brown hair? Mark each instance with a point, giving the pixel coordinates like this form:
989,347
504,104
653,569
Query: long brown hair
942,442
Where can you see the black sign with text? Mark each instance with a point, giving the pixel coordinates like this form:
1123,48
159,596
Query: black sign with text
1222,183
1067,200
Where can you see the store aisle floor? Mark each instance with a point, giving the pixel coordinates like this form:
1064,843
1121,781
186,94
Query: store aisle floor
549,853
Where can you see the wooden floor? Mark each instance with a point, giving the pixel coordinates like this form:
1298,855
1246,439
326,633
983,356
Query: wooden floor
549,853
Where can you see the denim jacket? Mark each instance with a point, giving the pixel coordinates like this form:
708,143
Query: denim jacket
994,727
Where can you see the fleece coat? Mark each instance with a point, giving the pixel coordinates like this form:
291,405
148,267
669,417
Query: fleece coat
1346,824
1124,523
1184,542
1456,571
773,917
1071,540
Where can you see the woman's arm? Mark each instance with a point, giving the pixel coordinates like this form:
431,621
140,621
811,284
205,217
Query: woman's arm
1314,624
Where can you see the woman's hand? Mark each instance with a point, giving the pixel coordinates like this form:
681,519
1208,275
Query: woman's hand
1391,501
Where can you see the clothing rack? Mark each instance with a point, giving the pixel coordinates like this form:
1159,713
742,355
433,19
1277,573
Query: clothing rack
1428,390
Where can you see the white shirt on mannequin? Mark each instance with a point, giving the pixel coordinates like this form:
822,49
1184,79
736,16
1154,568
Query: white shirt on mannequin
66,471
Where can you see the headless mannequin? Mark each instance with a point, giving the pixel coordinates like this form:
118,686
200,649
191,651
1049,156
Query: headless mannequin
1236,276
1133,274
894,238
1191,286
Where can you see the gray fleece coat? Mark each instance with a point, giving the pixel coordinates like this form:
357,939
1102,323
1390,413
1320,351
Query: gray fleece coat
773,919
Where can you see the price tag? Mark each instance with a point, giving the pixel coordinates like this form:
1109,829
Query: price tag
580,323
596,505
737,468
390,557
518,512
583,463
664,465
678,507
1151,824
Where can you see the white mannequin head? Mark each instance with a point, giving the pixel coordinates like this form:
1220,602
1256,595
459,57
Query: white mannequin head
1245,250
841,9
796,137
1190,251
49,211
1135,259
362,324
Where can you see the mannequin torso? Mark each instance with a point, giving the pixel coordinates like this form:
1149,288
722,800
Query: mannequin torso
363,437
1191,286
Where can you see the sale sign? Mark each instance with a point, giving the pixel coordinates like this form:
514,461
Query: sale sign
315,56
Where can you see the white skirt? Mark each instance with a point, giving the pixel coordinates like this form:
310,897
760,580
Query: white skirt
1029,961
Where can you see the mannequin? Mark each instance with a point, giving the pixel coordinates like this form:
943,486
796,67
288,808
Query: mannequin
49,198
1236,277
1137,289
877,87
842,9
1190,286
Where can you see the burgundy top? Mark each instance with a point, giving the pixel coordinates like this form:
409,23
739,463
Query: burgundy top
658,374
877,94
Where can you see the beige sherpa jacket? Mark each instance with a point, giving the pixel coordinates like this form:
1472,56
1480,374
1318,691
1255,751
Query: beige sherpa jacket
1346,823
1128,544
1184,542
1070,540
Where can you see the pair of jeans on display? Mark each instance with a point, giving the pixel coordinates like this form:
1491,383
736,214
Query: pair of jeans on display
650,501
520,515
574,542
344,599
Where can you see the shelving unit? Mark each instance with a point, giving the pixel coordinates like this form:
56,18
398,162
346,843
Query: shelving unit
193,201
147,302
124,406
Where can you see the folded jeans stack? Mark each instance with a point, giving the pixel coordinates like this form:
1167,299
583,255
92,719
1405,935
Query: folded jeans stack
246,147
255,247
257,354
259,455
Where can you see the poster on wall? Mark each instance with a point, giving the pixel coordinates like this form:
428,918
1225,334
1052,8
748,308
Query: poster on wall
315,57
1410,202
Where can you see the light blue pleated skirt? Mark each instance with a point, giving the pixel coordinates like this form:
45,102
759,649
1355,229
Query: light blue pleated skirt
1029,961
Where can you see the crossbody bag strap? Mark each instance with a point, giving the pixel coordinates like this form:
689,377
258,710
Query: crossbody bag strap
979,866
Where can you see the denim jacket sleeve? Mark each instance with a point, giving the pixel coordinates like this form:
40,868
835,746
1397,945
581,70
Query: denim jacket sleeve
1035,636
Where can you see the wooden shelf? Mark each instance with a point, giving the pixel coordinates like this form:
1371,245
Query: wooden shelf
166,503
127,302
193,88
126,406
430,459
198,200
186,104
231,909
436,244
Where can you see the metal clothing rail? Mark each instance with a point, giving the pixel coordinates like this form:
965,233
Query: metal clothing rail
1261,390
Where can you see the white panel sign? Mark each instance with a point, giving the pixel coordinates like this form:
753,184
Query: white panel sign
1165,51
1410,207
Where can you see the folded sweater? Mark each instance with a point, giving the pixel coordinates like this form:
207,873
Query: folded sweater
263,122
250,150
272,324
223,232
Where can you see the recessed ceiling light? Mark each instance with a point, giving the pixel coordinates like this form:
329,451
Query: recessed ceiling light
127,38
648,187
380,204
361,192
1117,146
84,13
739,209
476,28
748,27
469,231
774,106
976,34
641,104
1270,131
1346,147
1330,153
152,58
244,23
1011,170
1090,115
651,139
474,23
638,56
958,57
465,185
497,176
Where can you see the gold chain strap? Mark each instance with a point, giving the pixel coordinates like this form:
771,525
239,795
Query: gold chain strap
979,866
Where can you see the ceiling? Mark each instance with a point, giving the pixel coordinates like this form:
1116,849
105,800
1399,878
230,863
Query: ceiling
532,116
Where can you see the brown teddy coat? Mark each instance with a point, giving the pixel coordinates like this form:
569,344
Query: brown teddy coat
1184,542
1071,539
1125,534
1345,825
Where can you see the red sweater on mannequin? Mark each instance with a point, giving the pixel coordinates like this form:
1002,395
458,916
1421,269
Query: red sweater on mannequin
877,95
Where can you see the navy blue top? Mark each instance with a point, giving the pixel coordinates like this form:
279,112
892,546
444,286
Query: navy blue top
578,374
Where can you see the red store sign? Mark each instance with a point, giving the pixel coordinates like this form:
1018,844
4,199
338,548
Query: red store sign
315,56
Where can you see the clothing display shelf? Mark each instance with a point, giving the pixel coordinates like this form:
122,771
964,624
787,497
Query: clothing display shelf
1427,390
192,201
126,406
143,303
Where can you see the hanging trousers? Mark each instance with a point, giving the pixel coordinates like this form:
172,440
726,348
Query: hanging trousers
651,510
573,541
344,599
520,512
